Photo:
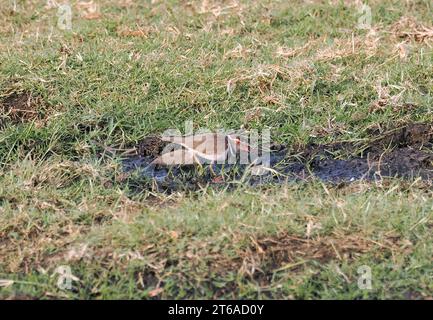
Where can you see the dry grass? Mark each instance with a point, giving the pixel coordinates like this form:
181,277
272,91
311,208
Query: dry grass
73,103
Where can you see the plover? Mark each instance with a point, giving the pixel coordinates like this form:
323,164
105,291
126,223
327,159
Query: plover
201,148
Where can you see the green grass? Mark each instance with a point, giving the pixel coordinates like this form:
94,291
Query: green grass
61,199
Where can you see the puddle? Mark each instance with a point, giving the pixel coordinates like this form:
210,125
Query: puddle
404,152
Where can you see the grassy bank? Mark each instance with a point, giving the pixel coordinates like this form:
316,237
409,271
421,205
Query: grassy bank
72,100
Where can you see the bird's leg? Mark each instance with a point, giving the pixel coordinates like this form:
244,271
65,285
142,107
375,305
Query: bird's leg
197,160
211,168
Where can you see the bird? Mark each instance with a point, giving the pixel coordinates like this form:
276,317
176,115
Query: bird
200,148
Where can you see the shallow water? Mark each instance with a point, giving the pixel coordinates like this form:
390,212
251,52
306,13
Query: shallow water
405,153
327,170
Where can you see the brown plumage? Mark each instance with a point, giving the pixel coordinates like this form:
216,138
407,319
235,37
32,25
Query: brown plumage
201,148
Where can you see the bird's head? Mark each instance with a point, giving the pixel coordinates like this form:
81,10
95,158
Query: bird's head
236,144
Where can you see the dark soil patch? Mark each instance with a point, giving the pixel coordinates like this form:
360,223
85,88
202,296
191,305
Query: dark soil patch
20,108
403,152
269,255
261,260
151,146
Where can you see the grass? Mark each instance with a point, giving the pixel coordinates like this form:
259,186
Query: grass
300,68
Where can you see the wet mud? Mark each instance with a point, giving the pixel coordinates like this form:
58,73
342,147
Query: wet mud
19,108
405,152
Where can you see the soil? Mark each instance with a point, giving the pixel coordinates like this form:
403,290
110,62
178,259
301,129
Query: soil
402,152
18,108
265,256
151,146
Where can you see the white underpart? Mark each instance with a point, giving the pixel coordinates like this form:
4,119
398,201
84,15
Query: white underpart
215,150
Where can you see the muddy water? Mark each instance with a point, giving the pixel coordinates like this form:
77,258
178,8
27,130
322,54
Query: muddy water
404,152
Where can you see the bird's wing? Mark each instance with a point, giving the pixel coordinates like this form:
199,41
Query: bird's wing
176,157
182,140
214,147
209,146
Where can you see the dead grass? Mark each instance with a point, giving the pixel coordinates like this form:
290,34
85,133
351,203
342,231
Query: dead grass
260,260
20,107
129,68
408,28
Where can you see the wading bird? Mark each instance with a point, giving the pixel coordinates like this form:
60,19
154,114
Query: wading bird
201,148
